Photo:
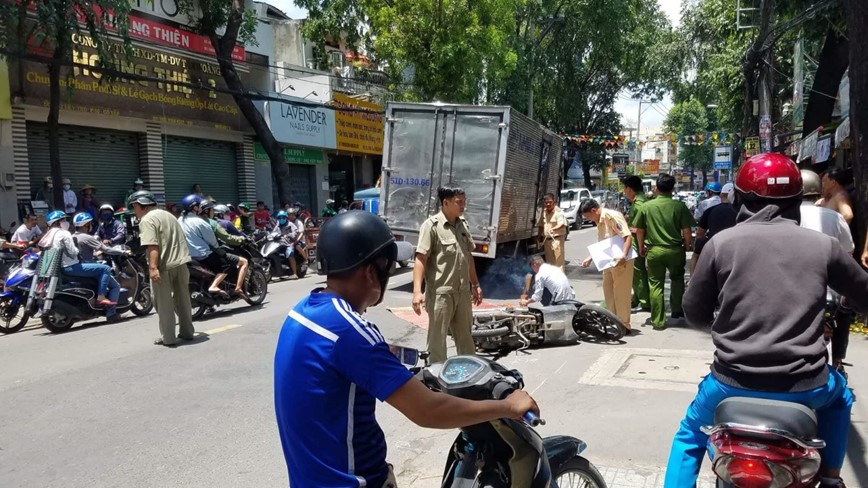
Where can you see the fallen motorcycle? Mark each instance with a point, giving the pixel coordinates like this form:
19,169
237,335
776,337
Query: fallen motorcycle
501,453
564,323
759,442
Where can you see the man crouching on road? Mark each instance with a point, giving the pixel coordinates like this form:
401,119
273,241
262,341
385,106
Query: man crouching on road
331,364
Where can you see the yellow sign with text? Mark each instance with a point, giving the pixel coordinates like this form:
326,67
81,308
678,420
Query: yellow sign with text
360,129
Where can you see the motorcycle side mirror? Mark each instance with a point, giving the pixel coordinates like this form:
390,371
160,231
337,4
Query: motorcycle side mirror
407,355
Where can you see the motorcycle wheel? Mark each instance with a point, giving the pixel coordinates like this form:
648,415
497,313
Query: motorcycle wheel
257,288
578,472
12,317
199,309
144,302
301,270
599,322
56,322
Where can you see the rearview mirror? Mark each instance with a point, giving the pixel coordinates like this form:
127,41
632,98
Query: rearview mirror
407,355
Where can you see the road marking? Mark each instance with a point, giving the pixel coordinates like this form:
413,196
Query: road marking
547,378
223,329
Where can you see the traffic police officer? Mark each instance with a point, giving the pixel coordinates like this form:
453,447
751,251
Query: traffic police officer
635,193
663,228
553,231
444,260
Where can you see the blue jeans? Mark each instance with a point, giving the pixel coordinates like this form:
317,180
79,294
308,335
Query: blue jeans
108,287
832,403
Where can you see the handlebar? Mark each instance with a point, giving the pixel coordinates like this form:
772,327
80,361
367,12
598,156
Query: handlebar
532,419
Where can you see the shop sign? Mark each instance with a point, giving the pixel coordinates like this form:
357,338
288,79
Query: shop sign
751,146
5,93
163,101
293,155
358,132
175,36
295,121
723,157
808,147
824,150
842,132
649,167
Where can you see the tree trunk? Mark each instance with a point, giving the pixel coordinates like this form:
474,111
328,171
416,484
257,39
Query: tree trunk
586,174
857,30
223,47
53,132
751,61
833,63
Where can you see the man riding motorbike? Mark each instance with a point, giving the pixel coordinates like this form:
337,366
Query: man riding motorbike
207,210
88,245
221,213
202,243
293,234
769,276
330,366
243,222
110,230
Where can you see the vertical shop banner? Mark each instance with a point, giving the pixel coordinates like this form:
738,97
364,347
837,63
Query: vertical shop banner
360,129
5,93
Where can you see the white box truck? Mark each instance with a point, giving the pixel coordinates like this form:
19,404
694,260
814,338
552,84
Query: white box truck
505,162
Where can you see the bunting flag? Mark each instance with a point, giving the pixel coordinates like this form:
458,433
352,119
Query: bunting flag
614,142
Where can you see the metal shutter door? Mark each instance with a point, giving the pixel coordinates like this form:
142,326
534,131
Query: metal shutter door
300,181
106,159
211,164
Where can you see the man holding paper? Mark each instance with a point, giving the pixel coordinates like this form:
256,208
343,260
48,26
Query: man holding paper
617,273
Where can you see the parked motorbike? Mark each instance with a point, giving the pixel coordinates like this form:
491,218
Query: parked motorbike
564,323
502,453
757,442
128,271
255,284
273,250
65,300
14,312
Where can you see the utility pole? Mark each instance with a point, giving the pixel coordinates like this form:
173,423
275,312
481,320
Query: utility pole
766,79
639,131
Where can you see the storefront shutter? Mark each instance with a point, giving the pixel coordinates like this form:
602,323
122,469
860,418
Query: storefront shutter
106,159
300,180
211,164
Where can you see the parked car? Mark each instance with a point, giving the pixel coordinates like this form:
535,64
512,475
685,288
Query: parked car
571,200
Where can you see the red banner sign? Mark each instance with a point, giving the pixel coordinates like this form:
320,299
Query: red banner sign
159,33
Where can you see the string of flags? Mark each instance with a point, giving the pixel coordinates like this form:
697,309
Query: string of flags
613,141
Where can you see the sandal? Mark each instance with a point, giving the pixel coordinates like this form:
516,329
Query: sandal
239,293
222,294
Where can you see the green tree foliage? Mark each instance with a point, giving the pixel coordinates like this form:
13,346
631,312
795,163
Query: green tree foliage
43,30
690,117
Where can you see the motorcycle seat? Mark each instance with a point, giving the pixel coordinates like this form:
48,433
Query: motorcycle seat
792,418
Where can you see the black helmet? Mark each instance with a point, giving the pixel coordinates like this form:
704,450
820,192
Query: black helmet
352,239
142,197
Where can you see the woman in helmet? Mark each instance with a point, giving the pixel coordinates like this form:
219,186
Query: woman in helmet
58,237
221,216
110,230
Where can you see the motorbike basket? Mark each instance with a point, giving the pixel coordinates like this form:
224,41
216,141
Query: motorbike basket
49,263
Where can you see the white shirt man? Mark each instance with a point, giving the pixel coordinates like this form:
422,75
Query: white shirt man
828,222
706,204
551,278
26,234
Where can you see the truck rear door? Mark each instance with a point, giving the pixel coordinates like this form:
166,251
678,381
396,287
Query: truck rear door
429,146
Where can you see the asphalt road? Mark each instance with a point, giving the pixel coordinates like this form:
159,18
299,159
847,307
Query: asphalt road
100,406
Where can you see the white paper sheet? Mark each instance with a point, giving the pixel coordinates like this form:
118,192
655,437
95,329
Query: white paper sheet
605,252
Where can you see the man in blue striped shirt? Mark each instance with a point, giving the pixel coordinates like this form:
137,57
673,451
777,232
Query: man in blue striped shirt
331,365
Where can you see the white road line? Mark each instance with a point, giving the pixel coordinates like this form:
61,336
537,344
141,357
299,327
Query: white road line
223,329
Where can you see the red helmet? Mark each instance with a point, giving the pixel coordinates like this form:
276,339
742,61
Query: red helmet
769,175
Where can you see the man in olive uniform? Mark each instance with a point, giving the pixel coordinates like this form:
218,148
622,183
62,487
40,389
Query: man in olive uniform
445,262
635,193
553,231
663,229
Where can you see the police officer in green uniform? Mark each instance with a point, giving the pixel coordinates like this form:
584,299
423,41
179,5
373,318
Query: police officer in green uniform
635,193
445,262
663,229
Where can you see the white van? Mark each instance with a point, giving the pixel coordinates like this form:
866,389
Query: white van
570,202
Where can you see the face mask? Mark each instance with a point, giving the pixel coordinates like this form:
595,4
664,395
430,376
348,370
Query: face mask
105,217
64,225
66,187
383,278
